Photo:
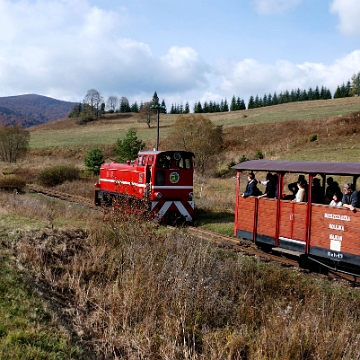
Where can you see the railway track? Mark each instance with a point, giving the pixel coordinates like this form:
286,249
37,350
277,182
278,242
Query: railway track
247,248
62,196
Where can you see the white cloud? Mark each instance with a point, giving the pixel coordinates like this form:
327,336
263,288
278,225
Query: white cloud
250,77
349,15
183,67
268,7
63,47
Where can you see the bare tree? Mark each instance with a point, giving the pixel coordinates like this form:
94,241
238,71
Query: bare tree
146,114
198,134
14,143
94,100
112,103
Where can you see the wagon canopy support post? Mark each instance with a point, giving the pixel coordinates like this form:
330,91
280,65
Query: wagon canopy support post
238,175
280,186
308,214
355,177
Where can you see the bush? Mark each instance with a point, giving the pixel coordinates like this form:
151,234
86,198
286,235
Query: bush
128,148
12,182
58,174
243,159
258,155
94,160
231,164
14,143
313,137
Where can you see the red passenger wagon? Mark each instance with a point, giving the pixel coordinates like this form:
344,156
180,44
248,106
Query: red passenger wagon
162,181
317,231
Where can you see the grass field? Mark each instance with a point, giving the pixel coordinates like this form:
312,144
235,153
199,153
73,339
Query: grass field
107,131
119,288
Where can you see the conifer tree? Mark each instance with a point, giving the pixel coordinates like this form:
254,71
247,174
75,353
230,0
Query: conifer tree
251,103
187,108
355,85
233,106
242,105
316,94
275,100
134,107
225,106
155,99
128,148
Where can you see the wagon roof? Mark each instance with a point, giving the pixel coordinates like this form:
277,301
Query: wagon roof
308,167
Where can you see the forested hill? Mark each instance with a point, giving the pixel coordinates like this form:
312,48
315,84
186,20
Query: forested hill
32,109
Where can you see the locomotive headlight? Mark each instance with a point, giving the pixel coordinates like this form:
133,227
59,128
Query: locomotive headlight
191,195
158,195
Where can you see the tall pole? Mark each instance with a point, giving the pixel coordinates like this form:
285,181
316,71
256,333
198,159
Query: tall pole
158,107
158,129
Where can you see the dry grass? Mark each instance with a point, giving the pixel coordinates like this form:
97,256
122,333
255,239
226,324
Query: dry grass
127,289
67,133
134,292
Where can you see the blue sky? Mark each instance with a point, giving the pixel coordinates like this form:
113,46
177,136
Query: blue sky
185,50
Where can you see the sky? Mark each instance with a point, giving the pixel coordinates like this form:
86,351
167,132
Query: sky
186,51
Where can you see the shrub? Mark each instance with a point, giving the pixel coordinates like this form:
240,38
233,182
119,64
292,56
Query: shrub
58,174
12,182
93,161
14,143
243,159
258,155
313,137
128,148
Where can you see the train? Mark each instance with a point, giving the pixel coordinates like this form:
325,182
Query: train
161,183
158,182
311,230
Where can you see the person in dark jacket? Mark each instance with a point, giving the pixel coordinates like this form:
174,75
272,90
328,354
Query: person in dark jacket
350,198
251,187
317,194
271,183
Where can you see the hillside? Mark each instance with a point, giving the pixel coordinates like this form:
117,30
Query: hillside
28,110
274,130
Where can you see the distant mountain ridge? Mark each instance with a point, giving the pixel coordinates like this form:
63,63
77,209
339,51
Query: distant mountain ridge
31,109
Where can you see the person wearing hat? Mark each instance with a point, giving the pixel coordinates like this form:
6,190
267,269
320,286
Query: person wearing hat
350,198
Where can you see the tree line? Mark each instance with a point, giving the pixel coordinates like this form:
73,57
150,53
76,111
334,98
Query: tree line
94,104
352,88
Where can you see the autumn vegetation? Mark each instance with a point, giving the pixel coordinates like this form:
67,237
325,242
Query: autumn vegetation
110,286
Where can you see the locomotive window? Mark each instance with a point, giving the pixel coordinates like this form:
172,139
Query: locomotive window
144,160
160,178
164,161
151,159
184,163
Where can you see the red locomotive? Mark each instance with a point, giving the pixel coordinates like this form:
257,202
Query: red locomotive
311,229
162,180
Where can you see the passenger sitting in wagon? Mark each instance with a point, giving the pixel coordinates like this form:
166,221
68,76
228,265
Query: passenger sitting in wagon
251,187
336,201
301,194
350,198
270,183
293,187
317,196
332,188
